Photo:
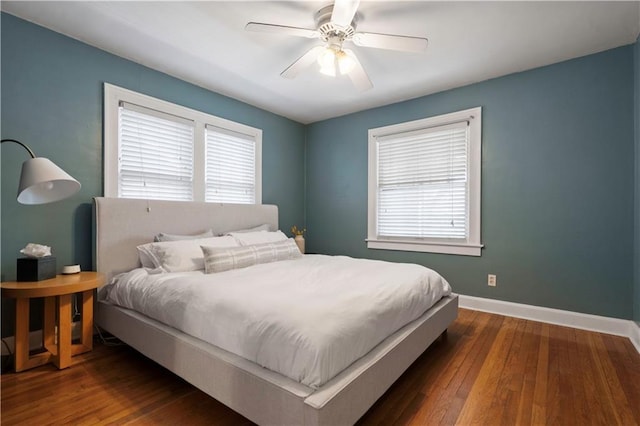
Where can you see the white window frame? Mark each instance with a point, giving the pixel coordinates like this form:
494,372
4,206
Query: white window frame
114,95
472,245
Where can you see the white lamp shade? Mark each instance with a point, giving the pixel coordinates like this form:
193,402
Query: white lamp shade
327,57
41,181
345,62
329,70
327,61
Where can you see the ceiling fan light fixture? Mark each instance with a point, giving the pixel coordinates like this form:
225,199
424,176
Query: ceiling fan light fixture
327,61
335,25
329,70
327,58
345,62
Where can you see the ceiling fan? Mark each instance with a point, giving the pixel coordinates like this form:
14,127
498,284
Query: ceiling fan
336,24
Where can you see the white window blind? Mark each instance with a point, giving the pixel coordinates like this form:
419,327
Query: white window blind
422,183
230,167
155,154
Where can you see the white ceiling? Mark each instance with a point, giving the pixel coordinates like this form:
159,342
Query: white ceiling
205,43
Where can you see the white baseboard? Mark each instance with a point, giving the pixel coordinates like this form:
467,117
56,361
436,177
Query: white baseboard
35,339
634,334
615,326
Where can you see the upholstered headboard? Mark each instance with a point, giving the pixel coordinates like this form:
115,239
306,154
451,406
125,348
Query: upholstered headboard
121,224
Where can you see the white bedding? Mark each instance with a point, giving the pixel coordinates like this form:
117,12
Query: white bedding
307,319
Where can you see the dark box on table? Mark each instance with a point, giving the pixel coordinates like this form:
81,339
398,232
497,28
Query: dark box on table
36,268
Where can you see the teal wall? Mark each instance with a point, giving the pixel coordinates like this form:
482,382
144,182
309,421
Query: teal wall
558,168
52,100
636,281
557,185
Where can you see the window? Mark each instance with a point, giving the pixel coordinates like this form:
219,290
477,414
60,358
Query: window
155,155
158,150
230,162
424,185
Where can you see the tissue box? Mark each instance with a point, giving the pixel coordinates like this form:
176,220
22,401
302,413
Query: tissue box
36,268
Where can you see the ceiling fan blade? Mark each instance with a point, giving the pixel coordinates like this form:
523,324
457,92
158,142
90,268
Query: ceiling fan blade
344,11
303,62
281,29
391,42
358,75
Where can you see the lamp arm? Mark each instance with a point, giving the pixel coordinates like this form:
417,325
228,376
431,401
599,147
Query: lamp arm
21,144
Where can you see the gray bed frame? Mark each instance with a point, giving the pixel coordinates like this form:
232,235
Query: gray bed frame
263,396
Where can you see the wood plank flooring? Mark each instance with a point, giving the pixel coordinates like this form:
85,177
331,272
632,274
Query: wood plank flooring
490,370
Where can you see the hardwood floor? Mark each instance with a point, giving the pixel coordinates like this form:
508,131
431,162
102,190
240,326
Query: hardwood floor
489,370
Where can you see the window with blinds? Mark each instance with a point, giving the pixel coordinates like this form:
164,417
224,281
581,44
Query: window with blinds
424,185
155,155
159,150
230,166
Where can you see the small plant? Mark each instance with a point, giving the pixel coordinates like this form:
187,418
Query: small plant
295,231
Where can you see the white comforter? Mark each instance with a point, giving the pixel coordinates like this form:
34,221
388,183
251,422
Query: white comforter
307,319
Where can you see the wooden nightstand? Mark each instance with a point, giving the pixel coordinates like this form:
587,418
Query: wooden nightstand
57,300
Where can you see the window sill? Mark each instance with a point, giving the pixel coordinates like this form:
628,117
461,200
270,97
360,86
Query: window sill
443,248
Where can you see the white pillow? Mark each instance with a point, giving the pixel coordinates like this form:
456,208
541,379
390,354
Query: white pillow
224,259
145,259
263,227
260,237
180,256
175,237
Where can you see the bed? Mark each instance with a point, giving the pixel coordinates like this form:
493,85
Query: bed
260,394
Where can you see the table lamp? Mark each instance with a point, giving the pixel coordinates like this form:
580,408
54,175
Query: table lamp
41,182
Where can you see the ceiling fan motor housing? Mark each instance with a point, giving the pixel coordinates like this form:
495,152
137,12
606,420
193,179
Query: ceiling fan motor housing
330,31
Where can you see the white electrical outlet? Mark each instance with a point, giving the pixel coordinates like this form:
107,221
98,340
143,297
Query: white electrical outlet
492,280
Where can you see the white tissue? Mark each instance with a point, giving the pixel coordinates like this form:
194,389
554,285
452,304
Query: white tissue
36,250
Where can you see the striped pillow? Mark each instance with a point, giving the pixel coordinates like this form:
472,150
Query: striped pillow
218,259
